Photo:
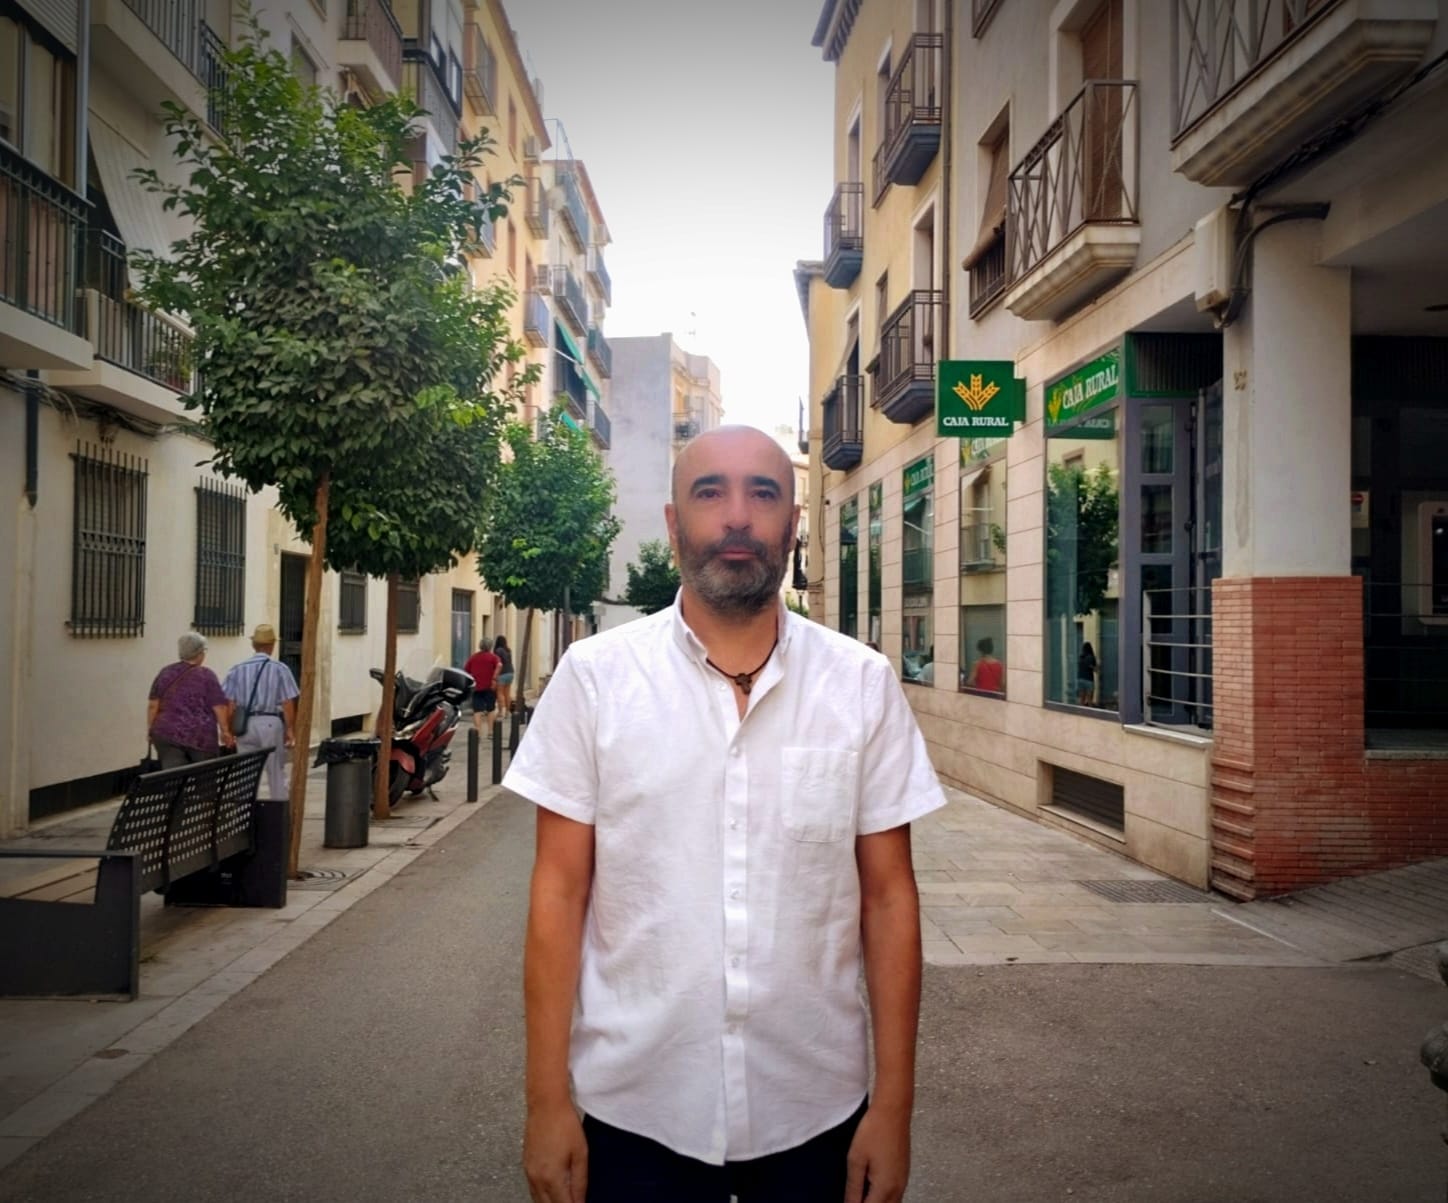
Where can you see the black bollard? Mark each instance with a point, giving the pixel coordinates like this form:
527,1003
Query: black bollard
472,764
513,733
497,750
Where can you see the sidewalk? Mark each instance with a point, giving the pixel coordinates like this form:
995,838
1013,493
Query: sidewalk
58,1056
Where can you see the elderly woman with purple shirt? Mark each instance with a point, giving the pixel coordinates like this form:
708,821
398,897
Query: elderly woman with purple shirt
187,709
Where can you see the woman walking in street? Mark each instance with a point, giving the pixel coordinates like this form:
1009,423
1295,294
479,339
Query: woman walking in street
504,678
187,709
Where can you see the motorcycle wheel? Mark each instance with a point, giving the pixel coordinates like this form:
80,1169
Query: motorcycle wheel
396,783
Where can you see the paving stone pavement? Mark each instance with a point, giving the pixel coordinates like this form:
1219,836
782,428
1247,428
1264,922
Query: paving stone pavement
998,888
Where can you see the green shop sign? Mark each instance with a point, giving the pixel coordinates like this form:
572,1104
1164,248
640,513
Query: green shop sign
919,476
1089,387
977,397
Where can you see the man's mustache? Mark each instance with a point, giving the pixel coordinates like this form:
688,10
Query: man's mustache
738,542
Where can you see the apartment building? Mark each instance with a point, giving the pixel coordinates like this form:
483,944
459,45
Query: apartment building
1149,474
665,397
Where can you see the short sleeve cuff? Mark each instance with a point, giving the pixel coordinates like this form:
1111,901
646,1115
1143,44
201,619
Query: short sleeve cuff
541,795
907,812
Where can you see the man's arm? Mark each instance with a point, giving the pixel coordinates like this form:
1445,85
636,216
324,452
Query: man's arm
555,1157
289,717
890,934
222,710
153,708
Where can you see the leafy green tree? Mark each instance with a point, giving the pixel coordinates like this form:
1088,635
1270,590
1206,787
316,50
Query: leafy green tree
1082,536
654,582
310,282
549,527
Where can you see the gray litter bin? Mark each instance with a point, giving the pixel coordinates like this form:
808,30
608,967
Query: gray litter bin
350,765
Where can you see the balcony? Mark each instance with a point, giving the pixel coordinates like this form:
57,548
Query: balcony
155,46
41,225
913,110
600,425
487,238
687,425
988,276
844,441
844,235
574,212
978,545
422,83
371,46
1071,209
568,293
1254,79
535,319
598,273
216,78
480,72
803,431
535,208
905,380
600,352
981,11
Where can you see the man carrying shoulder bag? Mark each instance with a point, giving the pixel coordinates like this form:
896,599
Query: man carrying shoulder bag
263,697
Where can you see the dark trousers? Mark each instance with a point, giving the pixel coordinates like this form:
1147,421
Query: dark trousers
173,756
625,1168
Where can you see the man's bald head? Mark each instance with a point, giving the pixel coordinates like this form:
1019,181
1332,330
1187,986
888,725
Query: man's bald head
743,440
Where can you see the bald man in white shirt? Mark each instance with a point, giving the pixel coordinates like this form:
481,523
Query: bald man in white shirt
722,845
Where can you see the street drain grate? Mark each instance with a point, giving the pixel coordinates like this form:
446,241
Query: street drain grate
1145,891
321,879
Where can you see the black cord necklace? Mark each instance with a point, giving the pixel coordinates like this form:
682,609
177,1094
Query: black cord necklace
745,681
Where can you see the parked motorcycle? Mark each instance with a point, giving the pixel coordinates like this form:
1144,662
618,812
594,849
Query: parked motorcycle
424,719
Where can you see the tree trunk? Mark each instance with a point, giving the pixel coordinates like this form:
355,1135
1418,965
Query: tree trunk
381,806
520,677
307,686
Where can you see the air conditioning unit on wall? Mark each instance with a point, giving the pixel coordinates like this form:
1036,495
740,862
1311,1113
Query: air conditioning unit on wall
530,149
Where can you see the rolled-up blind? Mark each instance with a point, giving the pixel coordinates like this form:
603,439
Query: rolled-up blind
60,18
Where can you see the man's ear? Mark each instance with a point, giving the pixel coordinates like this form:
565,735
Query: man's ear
671,520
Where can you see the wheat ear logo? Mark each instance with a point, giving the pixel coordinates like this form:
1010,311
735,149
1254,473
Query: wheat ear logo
1054,408
977,396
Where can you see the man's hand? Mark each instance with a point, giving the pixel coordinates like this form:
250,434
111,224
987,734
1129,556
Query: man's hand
289,740
880,1157
555,1155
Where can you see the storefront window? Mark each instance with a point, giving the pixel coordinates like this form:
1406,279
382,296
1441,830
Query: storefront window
917,649
850,567
875,580
1083,499
983,565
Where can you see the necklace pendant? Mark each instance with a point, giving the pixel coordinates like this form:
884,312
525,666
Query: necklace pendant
744,681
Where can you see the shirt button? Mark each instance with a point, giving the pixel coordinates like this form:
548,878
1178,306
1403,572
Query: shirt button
734,751
733,824
735,962
734,893
733,1029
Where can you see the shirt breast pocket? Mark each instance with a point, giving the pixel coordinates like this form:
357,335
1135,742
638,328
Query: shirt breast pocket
821,788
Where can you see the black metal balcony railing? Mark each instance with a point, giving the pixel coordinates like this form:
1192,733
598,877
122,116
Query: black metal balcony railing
535,208
1405,654
844,234
568,292
844,441
41,226
981,11
535,319
905,383
216,77
988,276
600,425
575,212
373,22
598,270
913,111
600,352
128,334
1176,657
568,382
480,72
1082,170
177,23
977,546
879,177
1217,45
423,84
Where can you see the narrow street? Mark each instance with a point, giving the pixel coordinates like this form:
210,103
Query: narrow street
383,1060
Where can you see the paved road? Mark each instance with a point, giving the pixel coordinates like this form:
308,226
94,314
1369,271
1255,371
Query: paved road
382,1061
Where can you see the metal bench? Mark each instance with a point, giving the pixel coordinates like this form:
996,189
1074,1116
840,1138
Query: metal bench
195,834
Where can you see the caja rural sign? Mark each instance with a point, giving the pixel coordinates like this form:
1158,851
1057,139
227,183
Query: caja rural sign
976,397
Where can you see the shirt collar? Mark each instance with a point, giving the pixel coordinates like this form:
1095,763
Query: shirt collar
690,644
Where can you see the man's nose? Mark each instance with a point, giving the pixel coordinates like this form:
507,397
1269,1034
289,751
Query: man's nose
736,512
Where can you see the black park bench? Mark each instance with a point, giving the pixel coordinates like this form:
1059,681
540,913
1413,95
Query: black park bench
195,834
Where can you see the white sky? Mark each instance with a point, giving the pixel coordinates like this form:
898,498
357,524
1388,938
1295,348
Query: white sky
706,128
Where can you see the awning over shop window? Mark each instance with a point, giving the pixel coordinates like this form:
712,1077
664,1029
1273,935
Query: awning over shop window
141,221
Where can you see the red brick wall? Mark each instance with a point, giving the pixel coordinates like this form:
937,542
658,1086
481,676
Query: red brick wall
1294,800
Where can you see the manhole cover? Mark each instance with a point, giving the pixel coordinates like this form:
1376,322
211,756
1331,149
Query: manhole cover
321,879
1126,890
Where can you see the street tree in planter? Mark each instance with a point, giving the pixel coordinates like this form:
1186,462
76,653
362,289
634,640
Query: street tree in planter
416,510
549,526
654,582
313,265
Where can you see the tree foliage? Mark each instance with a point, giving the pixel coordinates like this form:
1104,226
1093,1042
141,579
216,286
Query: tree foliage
549,526
1081,535
653,583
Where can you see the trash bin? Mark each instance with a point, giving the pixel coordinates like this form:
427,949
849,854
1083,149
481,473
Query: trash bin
350,765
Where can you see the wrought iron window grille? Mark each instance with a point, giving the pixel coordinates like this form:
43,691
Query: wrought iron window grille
220,558
409,607
351,602
108,543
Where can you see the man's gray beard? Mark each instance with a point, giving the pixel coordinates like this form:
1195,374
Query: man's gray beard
738,588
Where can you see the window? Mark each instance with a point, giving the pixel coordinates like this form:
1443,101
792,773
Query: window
986,260
352,602
108,576
220,558
983,565
37,101
876,576
455,79
917,572
409,607
882,107
512,128
1083,495
302,65
850,568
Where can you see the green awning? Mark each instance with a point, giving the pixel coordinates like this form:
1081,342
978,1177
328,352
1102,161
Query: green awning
572,346
569,421
592,388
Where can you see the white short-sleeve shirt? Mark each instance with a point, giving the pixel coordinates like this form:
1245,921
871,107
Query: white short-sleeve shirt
719,1009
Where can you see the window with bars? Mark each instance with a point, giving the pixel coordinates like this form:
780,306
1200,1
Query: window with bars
352,611
409,607
108,545
220,558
